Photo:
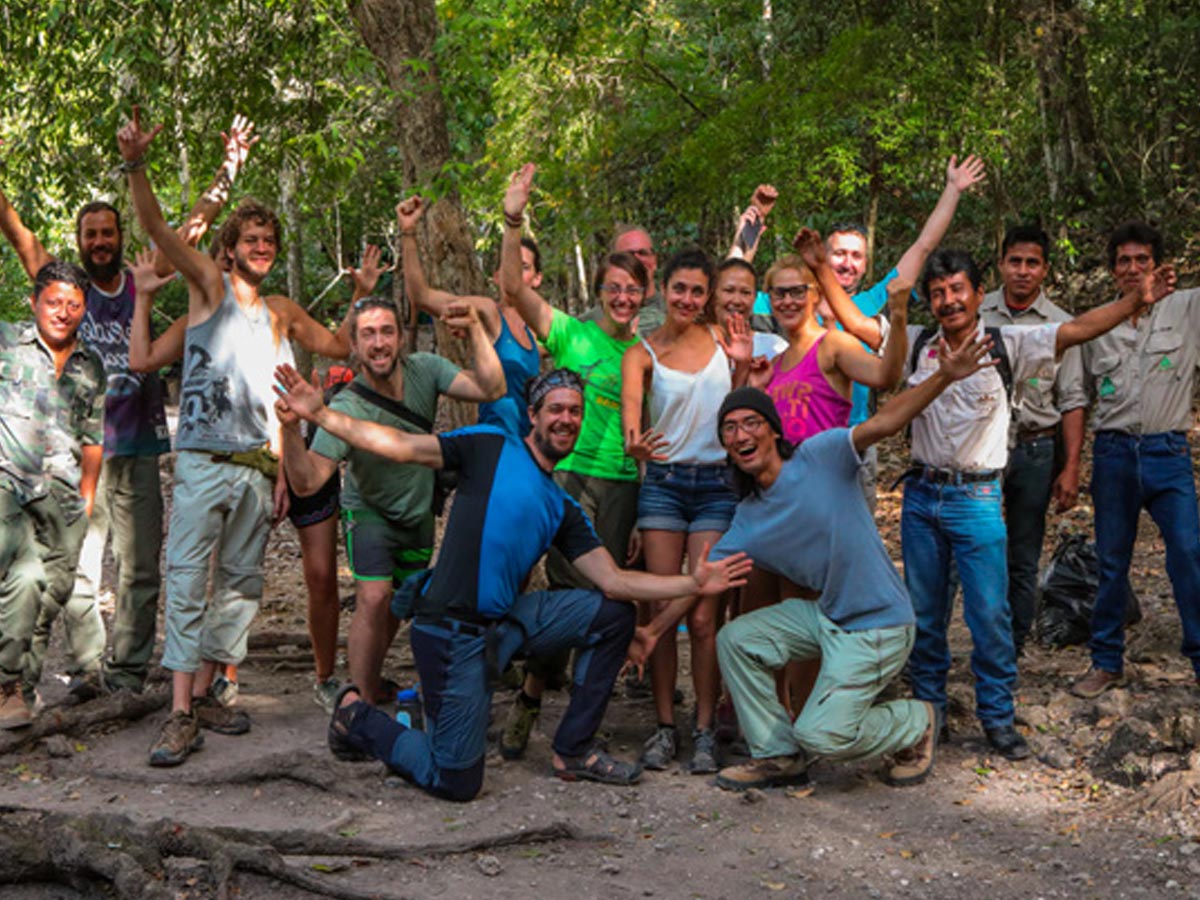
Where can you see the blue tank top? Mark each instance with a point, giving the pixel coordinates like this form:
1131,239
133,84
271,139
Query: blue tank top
519,364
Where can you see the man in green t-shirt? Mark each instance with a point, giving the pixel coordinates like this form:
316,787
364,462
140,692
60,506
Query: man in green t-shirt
387,509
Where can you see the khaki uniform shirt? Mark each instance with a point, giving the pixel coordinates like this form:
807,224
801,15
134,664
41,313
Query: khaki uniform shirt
1142,377
1038,403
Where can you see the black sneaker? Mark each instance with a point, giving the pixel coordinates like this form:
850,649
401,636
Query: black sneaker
1006,741
340,724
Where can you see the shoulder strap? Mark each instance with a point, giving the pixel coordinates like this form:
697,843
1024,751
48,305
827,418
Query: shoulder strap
391,405
918,345
1003,364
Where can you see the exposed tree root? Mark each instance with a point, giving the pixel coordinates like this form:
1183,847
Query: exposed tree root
314,770
120,707
1175,791
97,851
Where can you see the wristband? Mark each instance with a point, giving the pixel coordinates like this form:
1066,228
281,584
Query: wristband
513,221
412,232
132,165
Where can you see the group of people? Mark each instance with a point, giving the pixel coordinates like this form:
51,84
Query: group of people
720,437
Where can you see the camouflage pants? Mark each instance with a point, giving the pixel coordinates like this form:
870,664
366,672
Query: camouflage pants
21,582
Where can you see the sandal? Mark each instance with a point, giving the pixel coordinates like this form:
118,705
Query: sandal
597,765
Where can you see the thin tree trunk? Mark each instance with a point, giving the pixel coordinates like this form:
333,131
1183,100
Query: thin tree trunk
295,254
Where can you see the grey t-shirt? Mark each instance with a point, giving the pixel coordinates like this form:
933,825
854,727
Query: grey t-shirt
813,527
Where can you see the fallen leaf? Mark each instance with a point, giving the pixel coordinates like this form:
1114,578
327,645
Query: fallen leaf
801,793
887,835
774,885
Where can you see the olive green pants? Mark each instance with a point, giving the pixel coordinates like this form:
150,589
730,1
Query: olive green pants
21,582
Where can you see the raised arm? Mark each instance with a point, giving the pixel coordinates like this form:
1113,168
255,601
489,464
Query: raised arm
959,178
907,405
881,373
29,249
1155,284
536,312
304,400
237,142
307,331
306,471
147,354
205,286
756,213
812,250
485,381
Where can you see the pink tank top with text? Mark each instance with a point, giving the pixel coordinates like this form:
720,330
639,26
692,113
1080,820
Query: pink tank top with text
806,401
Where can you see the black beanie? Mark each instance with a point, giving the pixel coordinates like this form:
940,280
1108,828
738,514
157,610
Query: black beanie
750,398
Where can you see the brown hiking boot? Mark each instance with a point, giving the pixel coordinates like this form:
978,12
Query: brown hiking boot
14,711
180,735
212,715
1096,682
913,764
764,773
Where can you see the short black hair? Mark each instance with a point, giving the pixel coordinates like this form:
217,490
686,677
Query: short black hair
57,270
943,263
1026,234
531,245
94,207
736,262
1134,232
846,228
691,258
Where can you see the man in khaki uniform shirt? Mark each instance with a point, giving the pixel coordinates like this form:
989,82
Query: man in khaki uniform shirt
1142,375
1032,476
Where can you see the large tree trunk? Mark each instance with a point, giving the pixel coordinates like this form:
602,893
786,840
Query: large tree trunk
400,33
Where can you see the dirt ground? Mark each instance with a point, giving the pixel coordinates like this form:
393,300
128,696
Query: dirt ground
1109,808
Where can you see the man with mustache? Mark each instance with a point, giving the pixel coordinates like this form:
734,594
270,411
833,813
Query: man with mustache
128,502
470,619
1041,408
952,496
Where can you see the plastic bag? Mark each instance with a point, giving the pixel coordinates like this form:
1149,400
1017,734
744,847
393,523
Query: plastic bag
1067,594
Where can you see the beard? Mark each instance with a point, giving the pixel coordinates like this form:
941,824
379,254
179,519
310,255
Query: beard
546,447
104,271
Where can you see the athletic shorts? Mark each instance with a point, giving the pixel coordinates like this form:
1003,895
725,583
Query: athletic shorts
684,498
315,508
380,550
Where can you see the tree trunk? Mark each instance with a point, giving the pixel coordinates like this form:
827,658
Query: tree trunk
401,34
295,254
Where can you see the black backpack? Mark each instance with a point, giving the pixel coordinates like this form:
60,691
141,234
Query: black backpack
999,351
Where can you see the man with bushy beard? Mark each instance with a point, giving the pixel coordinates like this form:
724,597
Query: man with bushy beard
128,501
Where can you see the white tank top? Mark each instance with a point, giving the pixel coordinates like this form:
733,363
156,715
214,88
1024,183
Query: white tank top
684,407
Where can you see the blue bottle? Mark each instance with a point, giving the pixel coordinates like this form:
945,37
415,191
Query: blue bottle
408,707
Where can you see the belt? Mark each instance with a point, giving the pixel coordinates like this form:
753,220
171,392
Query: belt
1024,437
458,626
950,476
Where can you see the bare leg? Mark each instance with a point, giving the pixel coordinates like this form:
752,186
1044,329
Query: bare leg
318,547
702,632
664,556
370,635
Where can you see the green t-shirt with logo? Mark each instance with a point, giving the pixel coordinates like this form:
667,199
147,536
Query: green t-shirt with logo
585,348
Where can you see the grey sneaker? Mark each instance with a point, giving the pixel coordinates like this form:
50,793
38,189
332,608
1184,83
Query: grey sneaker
660,748
704,752
325,693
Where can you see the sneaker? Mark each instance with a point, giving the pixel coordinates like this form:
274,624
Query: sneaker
660,748
180,735
704,752
764,773
1008,742
224,690
340,723
521,719
212,715
14,711
1096,682
325,693
913,764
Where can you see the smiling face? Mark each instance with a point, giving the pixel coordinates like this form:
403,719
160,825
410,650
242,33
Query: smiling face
847,251
687,295
99,240
556,423
1133,260
794,294
57,311
955,302
254,252
735,293
1023,268
621,295
750,442
376,341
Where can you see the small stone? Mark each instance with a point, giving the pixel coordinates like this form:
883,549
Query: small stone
753,795
1189,848
58,746
393,782
489,866
610,868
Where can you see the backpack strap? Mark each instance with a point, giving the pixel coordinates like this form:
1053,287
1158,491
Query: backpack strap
999,351
391,405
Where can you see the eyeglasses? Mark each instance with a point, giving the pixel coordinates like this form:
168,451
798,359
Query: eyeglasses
752,425
790,292
629,290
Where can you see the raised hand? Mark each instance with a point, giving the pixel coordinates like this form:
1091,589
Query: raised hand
516,198
647,446
715,578
751,216
969,173
899,292
811,248
760,373
132,141
460,318
367,275
238,141
299,396
145,280
969,358
739,347
409,212
1161,283
764,198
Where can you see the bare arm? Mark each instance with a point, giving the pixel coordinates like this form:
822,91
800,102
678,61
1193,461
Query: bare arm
484,382
959,178
532,307
1066,485
644,446
1156,284
301,398
709,579
812,250
147,354
307,331
306,471
881,373
90,459
29,249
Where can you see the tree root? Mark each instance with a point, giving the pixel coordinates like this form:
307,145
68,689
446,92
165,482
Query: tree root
1175,791
97,850
310,769
118,707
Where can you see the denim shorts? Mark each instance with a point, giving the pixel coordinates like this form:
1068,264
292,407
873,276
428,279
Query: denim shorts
678,497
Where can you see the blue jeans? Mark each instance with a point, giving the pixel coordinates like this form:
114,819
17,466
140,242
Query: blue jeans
962,522
446,759
1131,472
1028,483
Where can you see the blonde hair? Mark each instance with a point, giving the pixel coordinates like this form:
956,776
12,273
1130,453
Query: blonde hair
788,261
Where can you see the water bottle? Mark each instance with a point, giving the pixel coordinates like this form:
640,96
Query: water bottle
408,707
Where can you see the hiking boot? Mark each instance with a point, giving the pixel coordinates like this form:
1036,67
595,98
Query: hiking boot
704,752
913,764
521,719
212,715
764,773
1008,742
340,723
325,693
180,735
1096,682
660,748
14,711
